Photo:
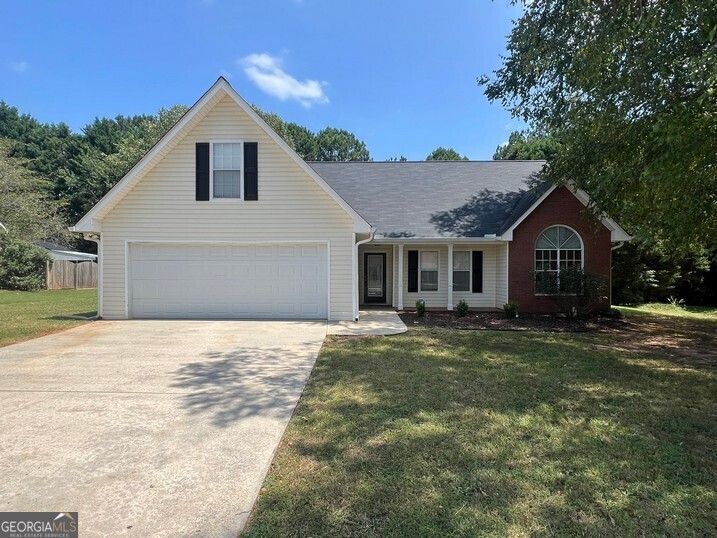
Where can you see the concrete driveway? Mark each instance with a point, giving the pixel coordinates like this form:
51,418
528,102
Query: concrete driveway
149,428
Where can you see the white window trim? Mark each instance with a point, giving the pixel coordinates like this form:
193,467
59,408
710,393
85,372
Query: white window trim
470,272
558,249
211,172
438,270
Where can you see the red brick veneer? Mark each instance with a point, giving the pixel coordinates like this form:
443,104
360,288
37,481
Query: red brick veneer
560,207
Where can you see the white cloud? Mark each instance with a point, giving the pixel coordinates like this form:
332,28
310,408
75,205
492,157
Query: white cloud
20,67
265,71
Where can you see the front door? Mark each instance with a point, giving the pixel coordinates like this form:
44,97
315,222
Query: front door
374,278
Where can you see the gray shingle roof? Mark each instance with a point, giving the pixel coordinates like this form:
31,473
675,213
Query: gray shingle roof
436,198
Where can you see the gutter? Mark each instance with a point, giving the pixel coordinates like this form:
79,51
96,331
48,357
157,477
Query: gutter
371,235
419,240
619,245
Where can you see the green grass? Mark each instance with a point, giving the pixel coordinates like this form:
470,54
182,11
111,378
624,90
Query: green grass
26,315
696,313
443,432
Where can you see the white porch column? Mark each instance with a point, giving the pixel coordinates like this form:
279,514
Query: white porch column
400,277
450,276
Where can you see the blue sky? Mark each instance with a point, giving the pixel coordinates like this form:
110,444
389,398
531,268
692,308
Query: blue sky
400,75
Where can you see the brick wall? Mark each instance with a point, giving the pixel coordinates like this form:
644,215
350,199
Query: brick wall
560,207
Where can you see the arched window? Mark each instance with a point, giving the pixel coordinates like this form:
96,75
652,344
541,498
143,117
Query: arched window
558,248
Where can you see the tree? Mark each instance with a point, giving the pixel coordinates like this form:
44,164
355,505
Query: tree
527,146
278,125
445,154
340,145
26,208
22,264
305,143
105,134
401,159
631,86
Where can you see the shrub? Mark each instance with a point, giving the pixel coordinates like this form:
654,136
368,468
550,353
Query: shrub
511,310
575,292
22,264
420,308
462,308
614,313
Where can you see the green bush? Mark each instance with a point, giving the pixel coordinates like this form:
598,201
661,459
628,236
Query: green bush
511,310
614,313
22,264
462,308
420,308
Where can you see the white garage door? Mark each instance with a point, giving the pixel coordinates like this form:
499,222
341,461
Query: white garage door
228,281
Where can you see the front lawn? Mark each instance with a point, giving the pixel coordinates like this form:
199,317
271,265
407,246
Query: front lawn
26,314
442,432
703,314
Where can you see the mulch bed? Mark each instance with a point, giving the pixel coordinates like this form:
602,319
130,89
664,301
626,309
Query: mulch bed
497,321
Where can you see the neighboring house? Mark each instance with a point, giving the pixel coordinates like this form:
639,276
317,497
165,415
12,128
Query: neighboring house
222,219
69,269
62,253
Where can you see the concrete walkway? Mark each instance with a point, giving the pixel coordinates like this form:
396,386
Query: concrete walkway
372,322
149,428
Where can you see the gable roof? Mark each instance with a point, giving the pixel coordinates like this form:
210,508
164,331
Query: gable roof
91,222
432,199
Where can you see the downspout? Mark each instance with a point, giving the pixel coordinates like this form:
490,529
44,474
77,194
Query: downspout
372,233
97,238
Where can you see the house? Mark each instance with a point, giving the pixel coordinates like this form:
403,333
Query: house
222,219
67,268
63,253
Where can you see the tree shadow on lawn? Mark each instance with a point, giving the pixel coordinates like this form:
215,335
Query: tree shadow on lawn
445,433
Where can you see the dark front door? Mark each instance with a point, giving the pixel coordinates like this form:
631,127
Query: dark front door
374,278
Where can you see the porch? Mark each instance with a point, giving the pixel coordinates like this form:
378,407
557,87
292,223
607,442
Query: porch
397,274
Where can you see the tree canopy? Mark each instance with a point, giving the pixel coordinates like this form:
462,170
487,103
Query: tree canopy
445,154
632,88
340,145
527,146
27,209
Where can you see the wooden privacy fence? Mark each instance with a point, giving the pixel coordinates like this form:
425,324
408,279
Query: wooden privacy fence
65,274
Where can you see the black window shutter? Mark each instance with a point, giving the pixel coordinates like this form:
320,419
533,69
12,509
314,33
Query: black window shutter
202,176
412,270
251,171
477,271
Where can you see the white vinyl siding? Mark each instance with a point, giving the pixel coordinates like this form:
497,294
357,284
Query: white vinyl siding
291,207
502,253
494,280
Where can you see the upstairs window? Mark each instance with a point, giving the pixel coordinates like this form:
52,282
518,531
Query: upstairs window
557,249
227,169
